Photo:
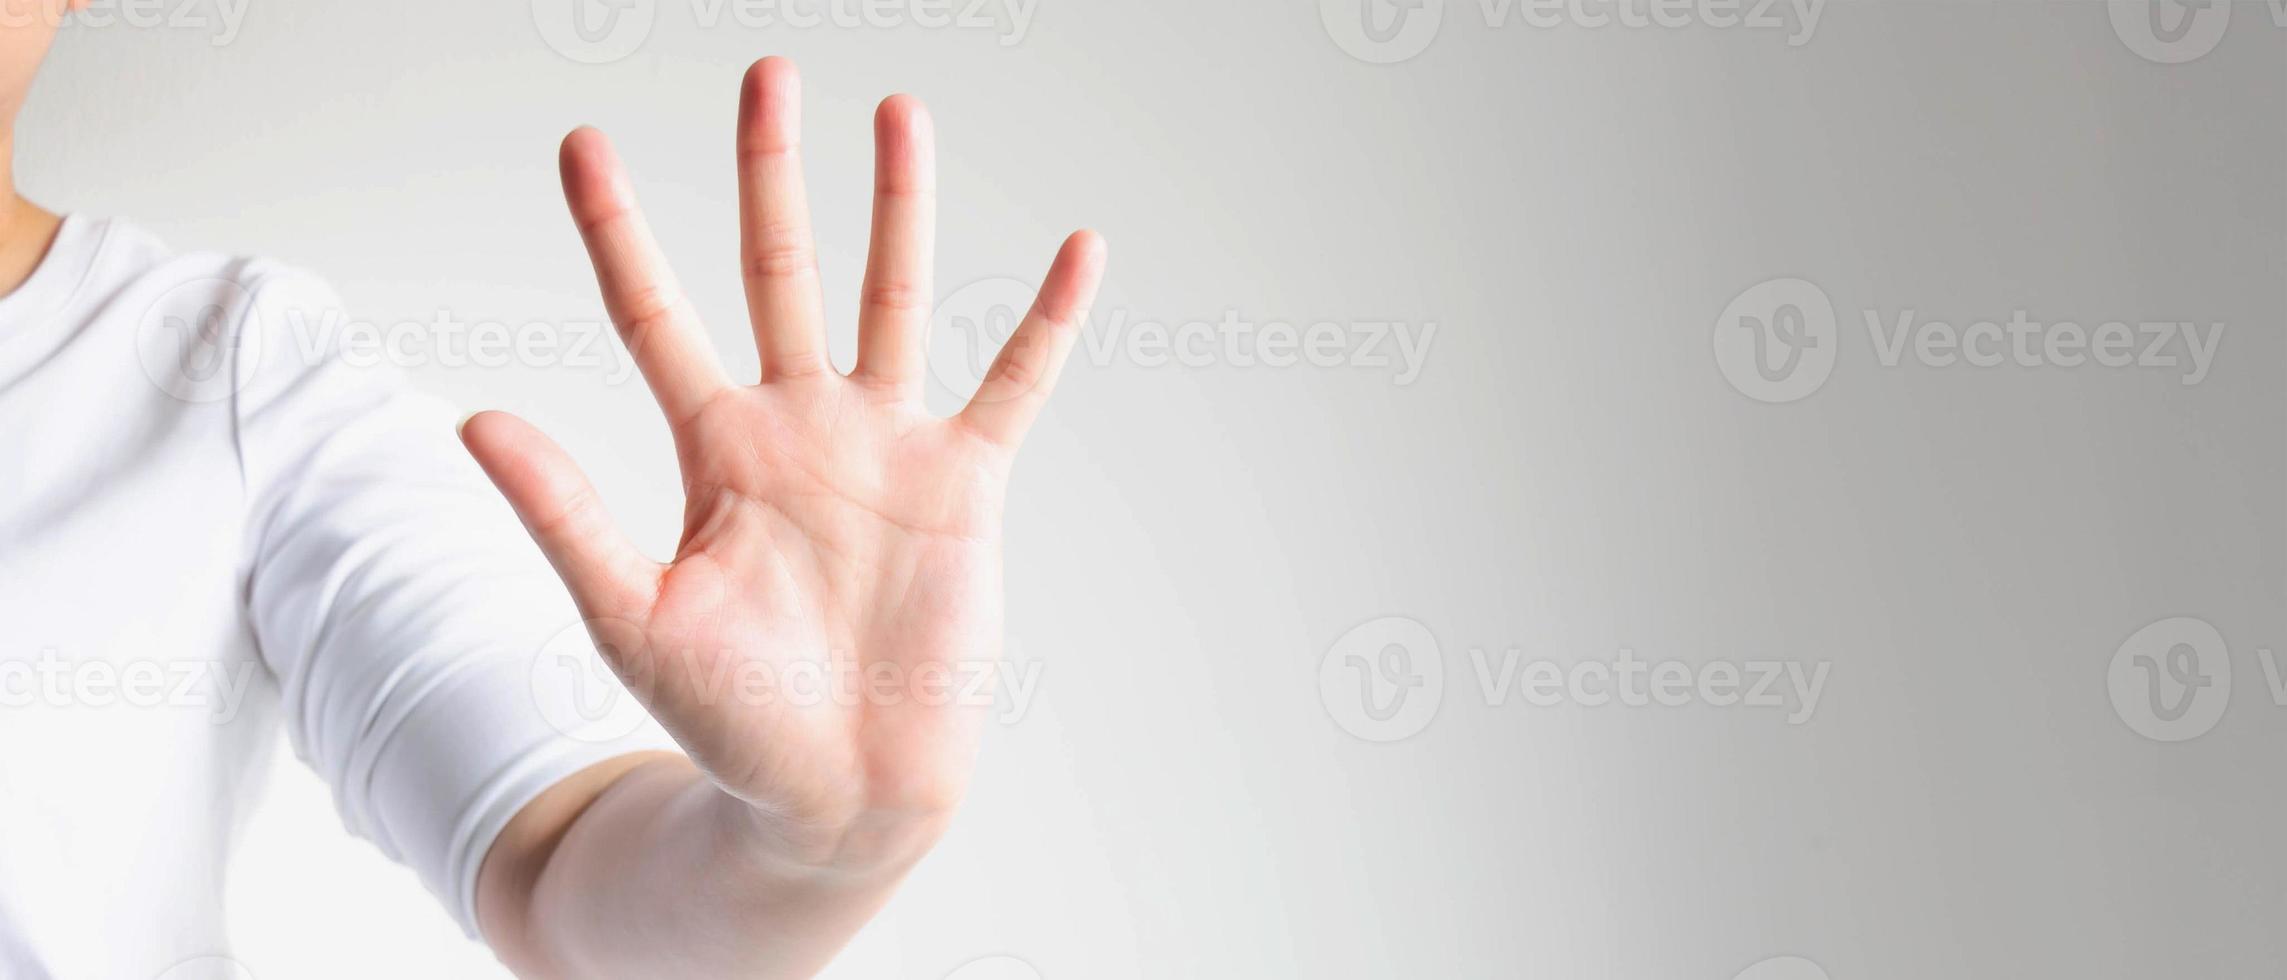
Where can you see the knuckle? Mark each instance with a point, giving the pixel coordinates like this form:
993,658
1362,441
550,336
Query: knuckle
761,150
647,310
780,253
1061,320
572,516
894,296
904,188
594,223
1018,370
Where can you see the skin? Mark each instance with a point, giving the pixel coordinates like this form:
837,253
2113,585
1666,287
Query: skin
26,229
829,521
831,524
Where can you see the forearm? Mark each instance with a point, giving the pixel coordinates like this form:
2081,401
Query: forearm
643,867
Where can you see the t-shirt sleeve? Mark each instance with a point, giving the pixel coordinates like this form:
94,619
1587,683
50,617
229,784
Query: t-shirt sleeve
418,638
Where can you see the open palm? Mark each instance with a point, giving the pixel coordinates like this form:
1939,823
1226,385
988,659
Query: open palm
839,574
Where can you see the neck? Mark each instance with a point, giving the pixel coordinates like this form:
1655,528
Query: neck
26,229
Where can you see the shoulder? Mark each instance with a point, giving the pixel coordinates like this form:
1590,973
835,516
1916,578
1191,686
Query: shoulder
127,261
205,323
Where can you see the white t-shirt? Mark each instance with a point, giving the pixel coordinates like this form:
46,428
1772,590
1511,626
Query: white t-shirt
211,526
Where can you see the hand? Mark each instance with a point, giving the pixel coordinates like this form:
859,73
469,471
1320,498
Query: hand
832,528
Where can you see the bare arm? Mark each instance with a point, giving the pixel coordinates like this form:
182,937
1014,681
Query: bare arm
641,867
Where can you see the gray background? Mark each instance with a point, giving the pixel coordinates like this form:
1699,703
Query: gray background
1570,474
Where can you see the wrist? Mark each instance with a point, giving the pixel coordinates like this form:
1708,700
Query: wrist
854,850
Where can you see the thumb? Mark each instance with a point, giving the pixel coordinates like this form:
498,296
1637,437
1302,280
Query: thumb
607,576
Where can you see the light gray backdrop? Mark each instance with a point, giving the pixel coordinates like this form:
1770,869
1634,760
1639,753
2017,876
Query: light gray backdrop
1974,759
